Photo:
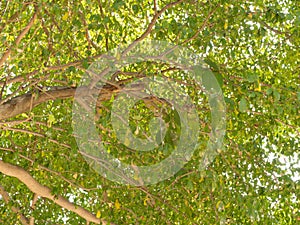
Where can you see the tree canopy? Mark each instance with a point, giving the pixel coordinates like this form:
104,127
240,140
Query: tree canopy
49,51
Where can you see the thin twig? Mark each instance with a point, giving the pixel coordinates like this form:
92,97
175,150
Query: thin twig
150,26
15,209
18,39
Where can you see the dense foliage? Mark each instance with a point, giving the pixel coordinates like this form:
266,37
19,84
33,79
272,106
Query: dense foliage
252,47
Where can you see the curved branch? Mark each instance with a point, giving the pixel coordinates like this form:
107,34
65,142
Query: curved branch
15,209
43,191
19,38
151,25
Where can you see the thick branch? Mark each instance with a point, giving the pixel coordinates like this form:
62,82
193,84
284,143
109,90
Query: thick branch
43,191
26,102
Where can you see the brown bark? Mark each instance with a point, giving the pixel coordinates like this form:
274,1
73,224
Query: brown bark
26,102
43,191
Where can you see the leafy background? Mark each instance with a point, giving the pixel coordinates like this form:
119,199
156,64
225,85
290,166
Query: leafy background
251,46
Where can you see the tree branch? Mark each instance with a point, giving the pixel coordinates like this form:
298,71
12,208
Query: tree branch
19,38
264,24
28,101
151,25
26,77
16,210
204,24
43,191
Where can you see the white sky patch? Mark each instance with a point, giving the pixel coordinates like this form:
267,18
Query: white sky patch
286,163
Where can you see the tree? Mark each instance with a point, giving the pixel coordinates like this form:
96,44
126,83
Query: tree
47,47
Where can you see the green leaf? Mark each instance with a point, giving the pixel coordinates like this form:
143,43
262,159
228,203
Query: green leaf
251,77
212,64
85,64
135,8
219,79
51,120
269,91
276,95
243,105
